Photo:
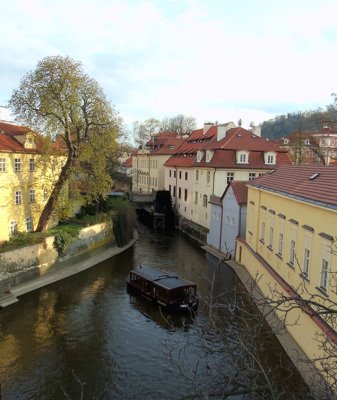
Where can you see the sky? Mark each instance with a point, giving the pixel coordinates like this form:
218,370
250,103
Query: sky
214,60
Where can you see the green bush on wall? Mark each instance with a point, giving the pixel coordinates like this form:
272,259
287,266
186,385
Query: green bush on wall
62,240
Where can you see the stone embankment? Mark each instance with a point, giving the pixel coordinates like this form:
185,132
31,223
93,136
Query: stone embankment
30,268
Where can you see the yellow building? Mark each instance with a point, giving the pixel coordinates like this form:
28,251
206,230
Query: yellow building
148,173
27,176
290,252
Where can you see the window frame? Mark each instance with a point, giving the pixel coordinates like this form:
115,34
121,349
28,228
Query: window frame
17,165
18,197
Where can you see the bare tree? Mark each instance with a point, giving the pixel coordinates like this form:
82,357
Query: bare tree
144,131
233,356
181,125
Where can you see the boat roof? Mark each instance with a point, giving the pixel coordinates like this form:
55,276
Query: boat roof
162,278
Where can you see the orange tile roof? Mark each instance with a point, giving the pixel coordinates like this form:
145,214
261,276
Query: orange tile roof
294,181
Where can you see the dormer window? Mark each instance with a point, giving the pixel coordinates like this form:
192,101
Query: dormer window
199,155
29,141
209,155
285,141
270,158
307,142
242,157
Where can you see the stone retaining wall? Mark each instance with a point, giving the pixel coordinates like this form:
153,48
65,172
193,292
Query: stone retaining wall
22,264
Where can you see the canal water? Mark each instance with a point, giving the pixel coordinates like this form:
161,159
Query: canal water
86,337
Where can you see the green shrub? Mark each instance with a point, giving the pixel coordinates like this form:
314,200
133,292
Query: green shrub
62,239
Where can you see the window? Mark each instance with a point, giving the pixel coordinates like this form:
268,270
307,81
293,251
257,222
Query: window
18,197
232,221
2,165
17,164
324,275
252,175
208,179
174,191
170,188
174,173
196,198
170,173
227,220
186,176
263,230
204,200
270,159
32,196
280,244
13,227
271,233
306,262
292,252
31,164
179,193
29,224
197,175
179,174
242,158
185,194
230,176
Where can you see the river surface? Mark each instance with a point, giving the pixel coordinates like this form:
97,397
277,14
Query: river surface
86,337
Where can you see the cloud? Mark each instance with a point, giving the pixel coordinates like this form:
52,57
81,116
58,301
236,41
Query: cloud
207,59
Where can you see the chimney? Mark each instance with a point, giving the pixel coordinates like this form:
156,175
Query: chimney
256,130
222,130
207,126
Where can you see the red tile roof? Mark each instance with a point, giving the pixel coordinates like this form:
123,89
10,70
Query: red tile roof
240,191
8,142
164,143
224,156
127,163
7,138
301,182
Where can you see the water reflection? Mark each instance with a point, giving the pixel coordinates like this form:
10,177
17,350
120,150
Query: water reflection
88,329
160,316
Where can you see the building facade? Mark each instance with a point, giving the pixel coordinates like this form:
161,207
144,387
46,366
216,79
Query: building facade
212,157
228,218
148,172
27,177
290,250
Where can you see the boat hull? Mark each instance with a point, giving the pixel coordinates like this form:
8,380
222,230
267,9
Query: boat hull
173,306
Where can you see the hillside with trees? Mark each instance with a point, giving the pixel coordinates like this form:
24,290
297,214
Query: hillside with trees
283,125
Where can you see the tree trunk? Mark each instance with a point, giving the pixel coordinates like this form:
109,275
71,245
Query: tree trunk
51,202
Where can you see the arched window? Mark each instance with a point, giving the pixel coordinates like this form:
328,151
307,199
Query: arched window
204,200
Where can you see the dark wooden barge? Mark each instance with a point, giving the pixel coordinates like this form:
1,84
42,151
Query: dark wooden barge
164,288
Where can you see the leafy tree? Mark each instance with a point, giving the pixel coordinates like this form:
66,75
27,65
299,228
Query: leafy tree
59,99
